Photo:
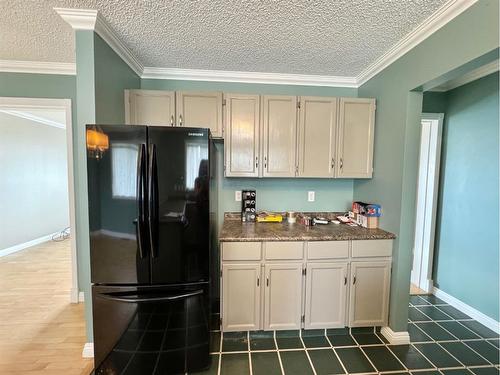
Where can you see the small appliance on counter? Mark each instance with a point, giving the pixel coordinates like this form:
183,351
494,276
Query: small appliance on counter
248,211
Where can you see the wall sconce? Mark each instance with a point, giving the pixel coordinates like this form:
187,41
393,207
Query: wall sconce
97,143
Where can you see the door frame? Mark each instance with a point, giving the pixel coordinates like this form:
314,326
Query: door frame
425,215
64,104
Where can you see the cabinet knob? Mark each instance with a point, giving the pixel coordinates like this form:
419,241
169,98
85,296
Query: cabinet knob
341,163
354,280
345,280
172,120
180,120
256,162
333,163
267,281
258,281
265,161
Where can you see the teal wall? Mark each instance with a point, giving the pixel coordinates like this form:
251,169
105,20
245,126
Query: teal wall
397,129
466,255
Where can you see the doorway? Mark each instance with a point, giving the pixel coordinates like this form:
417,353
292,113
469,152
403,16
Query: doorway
32,115
427,194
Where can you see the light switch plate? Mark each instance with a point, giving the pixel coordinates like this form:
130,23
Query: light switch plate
310,196
237,195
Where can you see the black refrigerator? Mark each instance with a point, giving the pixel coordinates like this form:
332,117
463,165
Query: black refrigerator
152,215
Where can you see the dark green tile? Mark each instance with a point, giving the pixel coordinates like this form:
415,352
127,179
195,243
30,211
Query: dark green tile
288,333
234,364
265,363
416,315
428,372
234,341
453,312
342,340
316,342
395,373
461,371
486,371
295,362
325,362
214,342
382,358
382,338
417,301
464,354
367,338
214,366
264,343
433,299
436,332
494,342
289,343
480,329
437,355
312,332
337,331
354,360
416,334
362,330
434,313
459,330
410,357
486,350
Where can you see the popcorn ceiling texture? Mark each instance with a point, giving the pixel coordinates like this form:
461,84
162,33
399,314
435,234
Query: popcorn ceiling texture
338,38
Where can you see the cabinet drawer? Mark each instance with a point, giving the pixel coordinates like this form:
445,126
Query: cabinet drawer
327,249
283,250
371,248
241,251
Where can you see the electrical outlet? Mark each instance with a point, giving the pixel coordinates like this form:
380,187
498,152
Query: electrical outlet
237,195
310,196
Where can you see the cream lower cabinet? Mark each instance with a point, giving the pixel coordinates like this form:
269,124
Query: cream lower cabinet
283,296
326,292
241,297
369,295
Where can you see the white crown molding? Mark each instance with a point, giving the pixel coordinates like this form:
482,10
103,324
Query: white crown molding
89,19
39,67
438,19
247,77
473,75
32,117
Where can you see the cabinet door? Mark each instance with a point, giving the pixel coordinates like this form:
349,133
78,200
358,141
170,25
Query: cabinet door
369,294
200,110
240,297
317,136
280,133
241,138
326,286
149,107
355,139
283,296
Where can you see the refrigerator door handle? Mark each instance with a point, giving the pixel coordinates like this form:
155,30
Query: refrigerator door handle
135,298
141,220
153,201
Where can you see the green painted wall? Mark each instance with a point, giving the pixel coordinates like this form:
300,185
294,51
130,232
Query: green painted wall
397,129
466,256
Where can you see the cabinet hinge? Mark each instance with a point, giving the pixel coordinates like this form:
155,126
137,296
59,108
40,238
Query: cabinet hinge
223,101
303,319
298,105
304,271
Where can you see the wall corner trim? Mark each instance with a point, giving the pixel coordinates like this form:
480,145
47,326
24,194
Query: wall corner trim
88,350
447,12
468,310
90,19
395,338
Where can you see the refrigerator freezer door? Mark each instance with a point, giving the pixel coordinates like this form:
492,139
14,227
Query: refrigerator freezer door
150,330
116,171
179,204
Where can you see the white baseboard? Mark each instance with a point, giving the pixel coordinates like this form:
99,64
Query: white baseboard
25,245
395,338
469,310
74,295
428,285
88,350
81,297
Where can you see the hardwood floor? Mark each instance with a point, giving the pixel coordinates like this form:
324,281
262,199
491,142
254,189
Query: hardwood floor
41,332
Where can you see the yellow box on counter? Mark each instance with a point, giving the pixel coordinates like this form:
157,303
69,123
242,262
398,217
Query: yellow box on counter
270,219
370,222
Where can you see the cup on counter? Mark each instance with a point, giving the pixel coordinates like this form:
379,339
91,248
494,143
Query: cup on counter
291,217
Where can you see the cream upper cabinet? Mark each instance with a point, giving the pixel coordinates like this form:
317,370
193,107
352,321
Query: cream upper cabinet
241,138
279,135
241,297
369,295
326,291
283,296
317,136
149,107
355,138
201,110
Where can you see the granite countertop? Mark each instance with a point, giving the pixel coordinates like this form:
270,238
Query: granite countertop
233,230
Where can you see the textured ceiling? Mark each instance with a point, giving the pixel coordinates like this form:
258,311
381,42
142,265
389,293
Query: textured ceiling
337,38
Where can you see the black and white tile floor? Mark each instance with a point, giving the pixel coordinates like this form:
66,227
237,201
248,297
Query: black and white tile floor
444,341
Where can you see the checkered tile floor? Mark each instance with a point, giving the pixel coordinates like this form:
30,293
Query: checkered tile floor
444,341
